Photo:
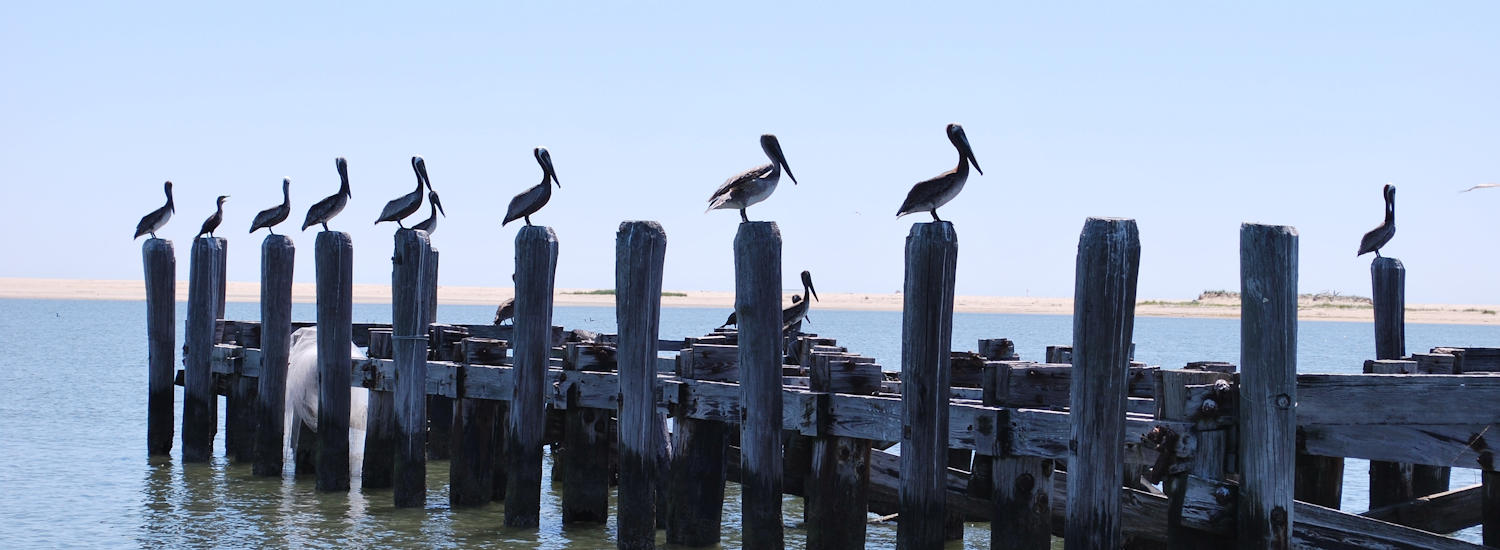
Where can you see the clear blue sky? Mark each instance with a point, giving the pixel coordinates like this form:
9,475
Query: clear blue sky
1188,118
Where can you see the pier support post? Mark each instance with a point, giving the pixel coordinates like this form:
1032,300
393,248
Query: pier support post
1109,252
536,266
334,258
471,474
199,404
837,485
1209,460
926,334
409,344
161,336
1021,486
240,402
1489,498
1268,384
757,302
640,250
277,257
695,499
442,410
1392,482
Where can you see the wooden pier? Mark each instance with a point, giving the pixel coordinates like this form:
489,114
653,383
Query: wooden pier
1038,449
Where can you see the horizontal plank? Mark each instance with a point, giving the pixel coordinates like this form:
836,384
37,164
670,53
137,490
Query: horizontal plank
1442,445
1397,399
1444,512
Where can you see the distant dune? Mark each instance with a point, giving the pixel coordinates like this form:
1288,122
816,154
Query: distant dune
1212,304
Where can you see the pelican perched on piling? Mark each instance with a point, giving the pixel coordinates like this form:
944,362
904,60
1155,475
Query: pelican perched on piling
927,196
734,318
753,185
430,224
212,223
269,217
157,218
527,203
405,205
1377,237
326,209
795,314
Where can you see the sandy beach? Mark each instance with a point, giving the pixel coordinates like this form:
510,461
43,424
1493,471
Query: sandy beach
1336,309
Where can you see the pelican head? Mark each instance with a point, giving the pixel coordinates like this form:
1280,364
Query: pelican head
1390,195
807,282
286,185
772,147
343,167
168,188
420,167
545,159
961,141
433,198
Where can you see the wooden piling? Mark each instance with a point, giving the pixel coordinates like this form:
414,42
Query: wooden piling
1209,458
1490,504
926,333
160,263
334,258
1020,486
536,265
837,485
471,474
277,257
640,250
695,498
199,403
1391,482
409,342
441,410
1268,384
1109,252
757,303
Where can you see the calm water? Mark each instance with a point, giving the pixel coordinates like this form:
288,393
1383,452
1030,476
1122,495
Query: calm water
74,472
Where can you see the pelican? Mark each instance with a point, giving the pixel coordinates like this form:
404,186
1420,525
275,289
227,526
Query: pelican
157,218
527,203
755,184
405,205
795,314
734,317
326,209
430,224
1377,237
927,196
269,217
212,223
505,310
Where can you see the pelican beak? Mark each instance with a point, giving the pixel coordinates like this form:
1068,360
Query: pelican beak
422,172
807,280
438,204
969,154
547,167
975,162
343,167
781,159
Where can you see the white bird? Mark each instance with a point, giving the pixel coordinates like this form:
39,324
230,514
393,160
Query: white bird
753,185
927,196
1481,186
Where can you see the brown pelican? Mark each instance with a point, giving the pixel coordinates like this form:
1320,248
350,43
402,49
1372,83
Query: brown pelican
927,196
326,209
1377,237
795,314
527,203
212,223
734,317
157,218
505,311
755,184
405,205
430,224
269,217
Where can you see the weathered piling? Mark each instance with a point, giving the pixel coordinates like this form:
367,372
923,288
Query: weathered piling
1268,384
695,499
536,265
1490,504
757,303
199,403
1209,441
1021,486
240,399
1109,252
471,474
409,343
1392,482
277,256
441,409
640,250
160,263
334,258
586,463
926,333
837,485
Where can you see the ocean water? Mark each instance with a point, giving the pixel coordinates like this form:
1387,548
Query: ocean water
74,470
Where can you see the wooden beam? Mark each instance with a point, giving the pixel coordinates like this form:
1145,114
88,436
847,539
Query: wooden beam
160,262
1268,385
640,250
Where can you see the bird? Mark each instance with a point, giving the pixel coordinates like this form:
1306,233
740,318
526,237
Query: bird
326,209
505,310
794,315
734,317
430,224
528,202
405,205
212,223
269,217
753,185
1481,186
927,196
157,218
1377,237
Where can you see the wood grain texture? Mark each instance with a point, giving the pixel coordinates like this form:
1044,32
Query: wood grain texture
1444,512
334,258
409,335
926,333
160,263
1109,254
199,404
277,257
757,303
1268,384
836,487
1020,487
536,268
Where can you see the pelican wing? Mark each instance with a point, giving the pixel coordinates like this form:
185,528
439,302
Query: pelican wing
401,207
727,191
527,203
1376,238
270,217
320,212
153,221
925,194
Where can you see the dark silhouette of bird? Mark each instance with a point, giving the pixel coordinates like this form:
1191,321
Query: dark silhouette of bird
326,209
793,316
528,202
430,224
157,218
1377,237
405,205
269,217
927,196
753,185
734,318
212,223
